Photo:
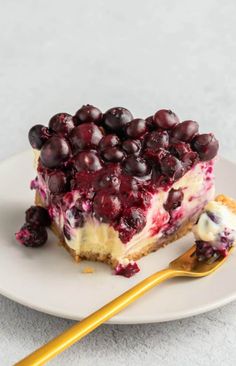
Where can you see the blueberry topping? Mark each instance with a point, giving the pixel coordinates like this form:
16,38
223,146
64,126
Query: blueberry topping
61,123
172,167
136,128
38,135
157,139
57,182
109,141
87,161
85,136
206,146
55,152
185,131
165,119
116,118
131,146
136,166
107,207
88,113
113,154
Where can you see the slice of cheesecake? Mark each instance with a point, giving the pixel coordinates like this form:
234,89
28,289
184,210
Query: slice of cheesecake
118,188
215,231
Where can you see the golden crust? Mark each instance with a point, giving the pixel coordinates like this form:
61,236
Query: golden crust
88,270
227,201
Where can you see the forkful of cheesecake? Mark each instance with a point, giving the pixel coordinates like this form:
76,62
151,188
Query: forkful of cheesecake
215,235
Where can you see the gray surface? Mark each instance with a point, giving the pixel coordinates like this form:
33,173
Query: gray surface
57,55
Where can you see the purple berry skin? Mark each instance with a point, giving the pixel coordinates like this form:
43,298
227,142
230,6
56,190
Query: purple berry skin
55,152
38,216
32,236
38,135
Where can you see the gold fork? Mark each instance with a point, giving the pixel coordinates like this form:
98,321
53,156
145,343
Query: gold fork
186,265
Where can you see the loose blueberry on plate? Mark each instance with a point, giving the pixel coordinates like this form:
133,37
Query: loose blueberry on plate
32,236
38,216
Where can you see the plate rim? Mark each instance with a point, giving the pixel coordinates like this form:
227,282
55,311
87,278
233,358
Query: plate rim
144,319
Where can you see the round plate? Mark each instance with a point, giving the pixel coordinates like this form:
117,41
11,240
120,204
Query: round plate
47,278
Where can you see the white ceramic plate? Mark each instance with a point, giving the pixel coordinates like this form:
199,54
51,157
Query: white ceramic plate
47,279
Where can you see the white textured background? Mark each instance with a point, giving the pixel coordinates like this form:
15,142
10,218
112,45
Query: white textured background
144,55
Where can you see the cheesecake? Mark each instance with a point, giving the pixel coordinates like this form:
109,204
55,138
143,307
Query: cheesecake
117,187
215,230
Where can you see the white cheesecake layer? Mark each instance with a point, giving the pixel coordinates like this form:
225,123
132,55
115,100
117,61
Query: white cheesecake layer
95,237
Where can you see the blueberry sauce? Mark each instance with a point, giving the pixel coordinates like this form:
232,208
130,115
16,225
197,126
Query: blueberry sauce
112,164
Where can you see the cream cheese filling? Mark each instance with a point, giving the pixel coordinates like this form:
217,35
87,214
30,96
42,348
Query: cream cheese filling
96,237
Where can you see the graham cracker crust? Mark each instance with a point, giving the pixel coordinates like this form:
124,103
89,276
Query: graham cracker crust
227,201
151,247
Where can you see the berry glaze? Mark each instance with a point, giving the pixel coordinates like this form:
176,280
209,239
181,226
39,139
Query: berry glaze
142,177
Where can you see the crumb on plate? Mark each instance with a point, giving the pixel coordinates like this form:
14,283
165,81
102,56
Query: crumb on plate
88,270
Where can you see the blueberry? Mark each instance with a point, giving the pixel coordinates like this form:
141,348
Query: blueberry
38,135
185,131
57,182
107,141
113,154
85,136
88,113
107,207
32,236
87,161
116,118
157,139
136,166
172,167
55,152
174,200
37,216
62,123
206,146
131,146
165,119
136,128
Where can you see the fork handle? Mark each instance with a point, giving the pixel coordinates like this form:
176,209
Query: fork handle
87,325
